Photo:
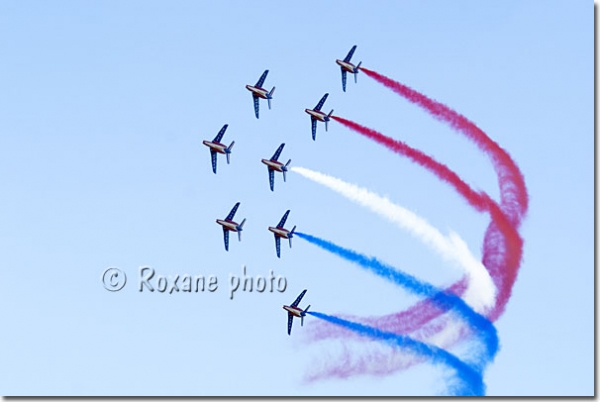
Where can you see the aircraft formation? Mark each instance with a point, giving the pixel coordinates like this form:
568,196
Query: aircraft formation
274,165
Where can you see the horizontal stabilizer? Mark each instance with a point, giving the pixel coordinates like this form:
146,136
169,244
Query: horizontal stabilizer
240,228
284,169
228,151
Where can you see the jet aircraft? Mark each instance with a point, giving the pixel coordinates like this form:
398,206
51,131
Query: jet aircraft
229,225
259,92
317,115
348,67
274,165
215,147
294,311
280,233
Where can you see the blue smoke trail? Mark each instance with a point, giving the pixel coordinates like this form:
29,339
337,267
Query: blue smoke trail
445,301
471,380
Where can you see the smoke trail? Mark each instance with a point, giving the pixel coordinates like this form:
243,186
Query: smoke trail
471,379
503,246
512,183
481,291
403,322
500,253
443,332
445,301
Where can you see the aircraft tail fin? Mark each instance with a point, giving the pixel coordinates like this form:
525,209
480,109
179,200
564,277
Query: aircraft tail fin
356,71
303,314
270,96
285,168
291,235
327,119
228,150
240,228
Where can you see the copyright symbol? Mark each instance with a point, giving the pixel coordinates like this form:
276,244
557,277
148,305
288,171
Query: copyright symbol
114,279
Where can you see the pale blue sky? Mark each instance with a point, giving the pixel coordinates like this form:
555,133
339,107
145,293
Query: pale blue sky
103,107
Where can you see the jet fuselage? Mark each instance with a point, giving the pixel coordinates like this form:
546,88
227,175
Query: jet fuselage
273,165
280,232
216,146
346,65
317,114
258,91
295,311
229,225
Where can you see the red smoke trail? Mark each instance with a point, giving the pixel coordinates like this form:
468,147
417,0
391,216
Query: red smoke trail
514,198
502,246
402,323
376,361
502,254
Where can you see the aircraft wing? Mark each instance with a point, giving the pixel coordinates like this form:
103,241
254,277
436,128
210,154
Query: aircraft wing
321,102
220,135
271,179
277,153
226,238
290,322
295,303
283,219
344,80
233,211
313,123
261,80
350,53
213,158
255,98
278,246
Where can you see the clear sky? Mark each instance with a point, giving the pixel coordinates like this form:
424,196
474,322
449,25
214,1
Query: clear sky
103,109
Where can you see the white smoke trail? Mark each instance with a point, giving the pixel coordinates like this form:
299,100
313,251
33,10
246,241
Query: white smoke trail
480,293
